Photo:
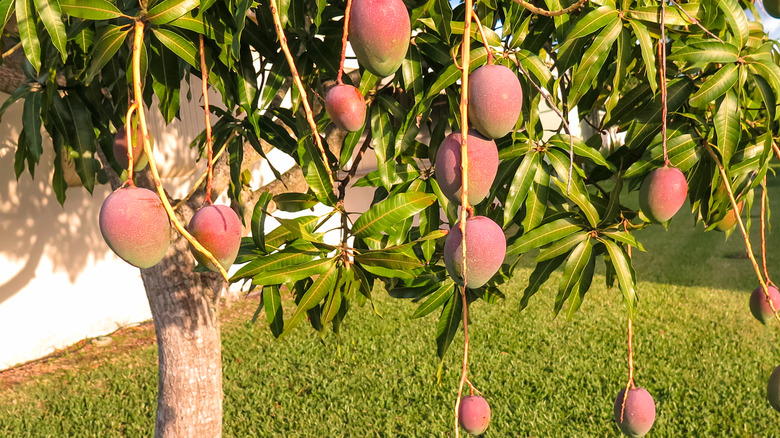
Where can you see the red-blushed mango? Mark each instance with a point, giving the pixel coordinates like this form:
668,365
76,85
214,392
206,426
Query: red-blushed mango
120,150
730,219
772,7
495,100
773,389
379,31
638,416
135,226
218,229
346,107
485,251
474,414
483,165
662,194
759,306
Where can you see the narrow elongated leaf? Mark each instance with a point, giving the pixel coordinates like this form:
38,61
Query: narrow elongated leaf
521,183
448,324
648,53
382,137
28,33
586,278
389,259
562,246
313,295
451,73
51,15
107,43
544,234
293,255
385,214
736,19
73,120
682,150
716,86
576,262
624,274
272,303
295,273
90,9
727,126
169,10
179,45
538,277
580,149
536,203
436,299
258,220
7,9
624,237
592,22
282,235
673,16
31,122
593,59
534,65
708,51
767,95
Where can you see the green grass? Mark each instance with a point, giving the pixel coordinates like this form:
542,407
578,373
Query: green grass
698,350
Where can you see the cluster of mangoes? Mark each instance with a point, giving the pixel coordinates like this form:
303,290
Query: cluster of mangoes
136,227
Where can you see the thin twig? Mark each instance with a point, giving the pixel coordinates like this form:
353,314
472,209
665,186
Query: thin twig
128,136
630,384
662,77
353,170
204,77
301,89
344,39
547,13
466,208
11,51
742,228
138,42
695,21
203,177
565,123
484,38
764,203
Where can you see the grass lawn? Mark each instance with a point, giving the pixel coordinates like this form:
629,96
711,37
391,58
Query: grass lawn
698,350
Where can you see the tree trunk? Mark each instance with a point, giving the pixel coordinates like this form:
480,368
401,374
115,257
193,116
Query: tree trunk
183,304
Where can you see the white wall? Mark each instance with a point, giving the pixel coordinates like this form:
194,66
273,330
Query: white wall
59,282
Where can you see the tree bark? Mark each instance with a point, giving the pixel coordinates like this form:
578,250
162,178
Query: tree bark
185,313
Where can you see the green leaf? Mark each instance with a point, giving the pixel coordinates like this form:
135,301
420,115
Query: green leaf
314,295
258,220
534,65
382,137
436,299
7,9
391,211
90,9
593,60
576,262
562,246
538,277
682,150
294,254
536,203
736,19
727,126
707,51
648,53
767,95
107,43
281,235
389,259
624,272
451,73
295,201
673,16
592,22
624,237
51,15
169,10
521,183
448,324
179,45
272,302
580,149
31,123
293,274
544,234
715,87
72,118
28,33
315,172
166,74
